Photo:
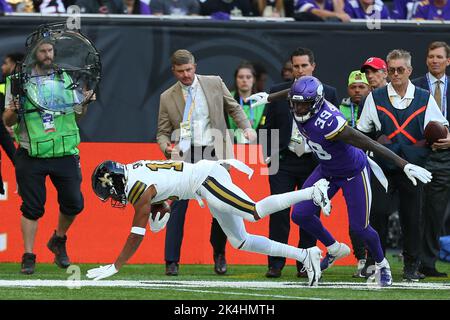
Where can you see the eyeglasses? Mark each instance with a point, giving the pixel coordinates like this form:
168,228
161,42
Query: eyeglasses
399,70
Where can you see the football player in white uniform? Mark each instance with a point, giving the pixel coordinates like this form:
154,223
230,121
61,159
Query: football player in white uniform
144,183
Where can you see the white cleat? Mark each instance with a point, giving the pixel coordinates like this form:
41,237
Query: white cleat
311,265
320,196
330,259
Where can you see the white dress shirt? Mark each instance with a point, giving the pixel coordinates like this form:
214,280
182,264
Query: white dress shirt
200,121
369,116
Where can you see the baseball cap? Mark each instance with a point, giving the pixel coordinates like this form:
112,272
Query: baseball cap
357,77
375,63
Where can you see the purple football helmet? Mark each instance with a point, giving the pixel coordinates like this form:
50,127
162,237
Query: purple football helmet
306,98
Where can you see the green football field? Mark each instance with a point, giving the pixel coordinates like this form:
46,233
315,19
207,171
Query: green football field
199,282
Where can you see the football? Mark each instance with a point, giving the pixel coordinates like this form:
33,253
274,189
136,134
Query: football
162,207
434,131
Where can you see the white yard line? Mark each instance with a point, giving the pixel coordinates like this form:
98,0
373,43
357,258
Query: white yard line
274,296
219,284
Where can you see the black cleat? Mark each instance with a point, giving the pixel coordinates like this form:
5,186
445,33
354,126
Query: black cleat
432,272
220,264
171,268
273,272
28,263
57,245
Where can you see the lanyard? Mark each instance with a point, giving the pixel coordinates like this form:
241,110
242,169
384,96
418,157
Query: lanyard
252,112
352,108
444,94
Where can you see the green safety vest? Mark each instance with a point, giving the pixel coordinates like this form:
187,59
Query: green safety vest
29,131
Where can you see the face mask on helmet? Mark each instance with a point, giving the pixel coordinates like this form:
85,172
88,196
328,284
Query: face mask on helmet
108,181
306,98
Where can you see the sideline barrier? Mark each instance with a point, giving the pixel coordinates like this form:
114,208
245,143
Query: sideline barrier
98,234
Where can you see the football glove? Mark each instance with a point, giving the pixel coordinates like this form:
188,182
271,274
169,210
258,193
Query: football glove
157,224
320,196
102,272
258,99
414,172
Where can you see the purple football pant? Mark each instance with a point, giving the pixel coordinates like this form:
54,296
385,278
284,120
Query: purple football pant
358,197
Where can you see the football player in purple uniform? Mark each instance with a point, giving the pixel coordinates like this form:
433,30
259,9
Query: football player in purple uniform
342,161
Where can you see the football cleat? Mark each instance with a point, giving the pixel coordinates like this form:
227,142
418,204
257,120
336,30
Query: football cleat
383,277
320,196
311,265
330,259
359,269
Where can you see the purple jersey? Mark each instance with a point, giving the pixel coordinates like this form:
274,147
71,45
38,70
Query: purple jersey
308,5
428,11
354,9
336,158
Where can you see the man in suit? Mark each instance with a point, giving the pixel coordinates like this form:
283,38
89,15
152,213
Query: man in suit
437,193
296,162
192,114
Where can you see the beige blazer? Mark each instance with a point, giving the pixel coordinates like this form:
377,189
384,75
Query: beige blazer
219,100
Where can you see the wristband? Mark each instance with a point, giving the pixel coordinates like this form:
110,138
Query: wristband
138,230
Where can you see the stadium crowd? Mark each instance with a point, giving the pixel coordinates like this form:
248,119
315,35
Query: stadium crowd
302,10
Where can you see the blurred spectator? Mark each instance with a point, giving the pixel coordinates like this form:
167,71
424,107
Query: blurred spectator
261,76
5,7
376,72
21,6
102,6
289,8
235,8
271,8
245,86
404,9
175,7
433,10
287,74
49,6
8,67
358,88
366,9
137,7
322,9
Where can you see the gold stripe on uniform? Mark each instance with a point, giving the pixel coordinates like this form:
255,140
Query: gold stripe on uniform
337,132
230,197
136,191
367,198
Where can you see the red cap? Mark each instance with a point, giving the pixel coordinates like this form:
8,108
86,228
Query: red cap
375,63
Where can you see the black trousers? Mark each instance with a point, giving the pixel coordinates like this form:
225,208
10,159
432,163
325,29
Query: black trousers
175,225
292,173
435,201
409,208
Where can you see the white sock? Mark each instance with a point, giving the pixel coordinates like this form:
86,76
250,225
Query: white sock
333,248
278,202
382,264
263,245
